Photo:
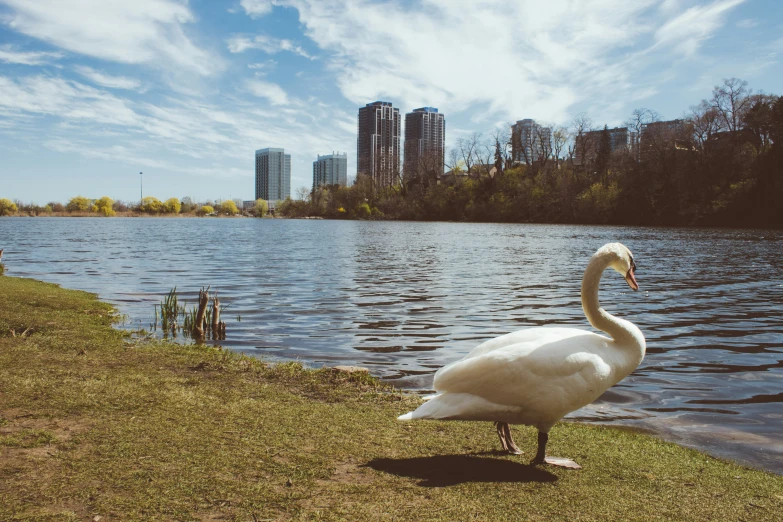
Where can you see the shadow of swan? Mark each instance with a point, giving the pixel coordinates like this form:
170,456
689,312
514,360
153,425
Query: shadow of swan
450,470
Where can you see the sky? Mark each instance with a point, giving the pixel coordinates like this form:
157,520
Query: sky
92,92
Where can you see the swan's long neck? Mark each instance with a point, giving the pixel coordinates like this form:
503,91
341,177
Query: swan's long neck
622,331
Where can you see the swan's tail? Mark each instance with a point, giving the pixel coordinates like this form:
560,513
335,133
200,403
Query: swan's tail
409,416
462,406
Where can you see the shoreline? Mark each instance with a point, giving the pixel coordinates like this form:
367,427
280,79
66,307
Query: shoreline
321,218
93,423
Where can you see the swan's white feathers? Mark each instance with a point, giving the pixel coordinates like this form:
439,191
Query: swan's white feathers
538,375
532,377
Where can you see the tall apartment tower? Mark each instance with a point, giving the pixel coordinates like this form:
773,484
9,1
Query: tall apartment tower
425,134
530,141
378,142
331,169
273,175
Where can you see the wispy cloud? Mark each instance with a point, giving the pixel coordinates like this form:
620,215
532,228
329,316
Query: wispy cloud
257,8
106,80
140,32
10,55
686,32
240,43
271,91
747,23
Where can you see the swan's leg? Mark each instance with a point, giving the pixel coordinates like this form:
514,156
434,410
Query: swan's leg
541,457
504,434
512,448
501,435
541,453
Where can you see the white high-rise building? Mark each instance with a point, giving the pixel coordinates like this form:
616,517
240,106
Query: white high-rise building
378,143
425,131
273,175
331,169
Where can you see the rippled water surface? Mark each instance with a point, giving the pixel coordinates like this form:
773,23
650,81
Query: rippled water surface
405,298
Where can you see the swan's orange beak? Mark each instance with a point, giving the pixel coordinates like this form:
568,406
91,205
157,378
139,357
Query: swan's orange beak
631,280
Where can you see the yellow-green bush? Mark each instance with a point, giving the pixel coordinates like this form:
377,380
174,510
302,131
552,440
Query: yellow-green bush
151,205
79,204
103,206
7,207
229,207
172,206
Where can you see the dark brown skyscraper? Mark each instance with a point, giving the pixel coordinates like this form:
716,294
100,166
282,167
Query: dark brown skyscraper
378,143
425,132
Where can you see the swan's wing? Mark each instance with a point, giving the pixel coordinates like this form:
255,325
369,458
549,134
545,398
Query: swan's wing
539,335
566,370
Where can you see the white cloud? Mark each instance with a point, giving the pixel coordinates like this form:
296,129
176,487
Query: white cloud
180,135
106,80
271,91
518,59
140,32
66,99
9,55
513,59
686,32
747,23
257,8
239,43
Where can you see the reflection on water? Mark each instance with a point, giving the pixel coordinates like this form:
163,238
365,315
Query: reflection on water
405,298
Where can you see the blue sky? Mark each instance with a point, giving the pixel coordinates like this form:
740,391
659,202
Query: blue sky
94,91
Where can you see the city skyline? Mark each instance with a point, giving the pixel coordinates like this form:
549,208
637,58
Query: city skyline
186,89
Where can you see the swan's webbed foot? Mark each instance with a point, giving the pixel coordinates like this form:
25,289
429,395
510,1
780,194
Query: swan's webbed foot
506,441
562,462
541,457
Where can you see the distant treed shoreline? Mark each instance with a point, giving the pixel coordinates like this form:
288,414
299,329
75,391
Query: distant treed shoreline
720,165
81,206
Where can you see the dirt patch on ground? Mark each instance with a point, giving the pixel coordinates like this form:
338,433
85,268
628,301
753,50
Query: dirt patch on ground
349,472
14,421
30,456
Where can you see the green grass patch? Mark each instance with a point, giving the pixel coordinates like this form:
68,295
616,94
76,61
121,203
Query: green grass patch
95,423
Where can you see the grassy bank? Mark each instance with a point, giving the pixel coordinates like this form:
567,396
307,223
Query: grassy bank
94,424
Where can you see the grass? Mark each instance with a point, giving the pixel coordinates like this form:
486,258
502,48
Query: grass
93,423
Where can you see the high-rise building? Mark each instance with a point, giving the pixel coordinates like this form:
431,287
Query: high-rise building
378,143
621,141
425,132
331,169
273,175
530,141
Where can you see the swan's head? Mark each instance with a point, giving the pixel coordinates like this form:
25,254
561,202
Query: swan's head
622,262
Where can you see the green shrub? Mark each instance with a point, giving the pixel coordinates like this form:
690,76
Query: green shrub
172,206
7,207
79,204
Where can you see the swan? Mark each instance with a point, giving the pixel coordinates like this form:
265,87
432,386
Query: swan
538,375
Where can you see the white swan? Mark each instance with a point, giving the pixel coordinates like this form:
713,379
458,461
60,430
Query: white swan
538,375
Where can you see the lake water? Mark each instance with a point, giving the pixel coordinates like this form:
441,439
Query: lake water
403,299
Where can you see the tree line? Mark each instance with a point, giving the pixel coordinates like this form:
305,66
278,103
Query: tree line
719,165
149,205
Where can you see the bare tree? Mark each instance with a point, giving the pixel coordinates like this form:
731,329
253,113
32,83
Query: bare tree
705,122
469,150
581,125
502,154
639,119
731,100
542,144
559,141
